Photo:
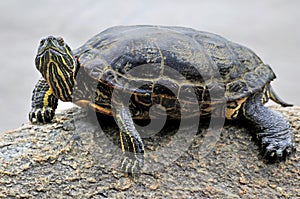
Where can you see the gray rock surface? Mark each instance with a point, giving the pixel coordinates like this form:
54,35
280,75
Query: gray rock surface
68,159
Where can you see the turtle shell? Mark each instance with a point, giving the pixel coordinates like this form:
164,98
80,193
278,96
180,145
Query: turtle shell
164,62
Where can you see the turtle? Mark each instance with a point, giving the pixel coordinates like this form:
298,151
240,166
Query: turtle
168,63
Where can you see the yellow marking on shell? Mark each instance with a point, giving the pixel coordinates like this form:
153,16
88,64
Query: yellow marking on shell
100,95
89,104
208,109
232,108
140,102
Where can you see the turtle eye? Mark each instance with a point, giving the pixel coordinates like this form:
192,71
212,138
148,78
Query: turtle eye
60,41
42,41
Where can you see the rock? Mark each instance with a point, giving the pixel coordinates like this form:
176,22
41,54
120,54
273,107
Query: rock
70,158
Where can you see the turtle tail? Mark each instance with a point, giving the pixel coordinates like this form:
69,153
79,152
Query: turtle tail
273,96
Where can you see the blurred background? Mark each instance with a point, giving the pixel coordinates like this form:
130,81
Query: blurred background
269,27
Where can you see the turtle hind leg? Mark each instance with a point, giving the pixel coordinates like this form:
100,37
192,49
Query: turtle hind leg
272,130
131,143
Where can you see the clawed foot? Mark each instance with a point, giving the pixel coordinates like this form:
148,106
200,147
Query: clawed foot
278,146
41,115
131,165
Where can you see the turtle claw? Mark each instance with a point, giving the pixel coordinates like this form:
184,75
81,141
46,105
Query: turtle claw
131,165
290,150
277,148
41,115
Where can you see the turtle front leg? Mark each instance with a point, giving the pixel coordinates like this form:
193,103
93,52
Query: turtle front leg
131,142
272,130
43,104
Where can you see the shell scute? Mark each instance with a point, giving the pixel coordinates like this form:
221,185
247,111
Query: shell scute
174,57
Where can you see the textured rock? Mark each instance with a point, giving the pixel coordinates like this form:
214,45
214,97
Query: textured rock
70,159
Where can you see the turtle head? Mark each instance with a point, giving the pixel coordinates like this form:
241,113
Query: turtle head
57,65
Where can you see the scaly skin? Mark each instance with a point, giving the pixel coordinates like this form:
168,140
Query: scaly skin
131,142
43,104
199,57
272,130
57,66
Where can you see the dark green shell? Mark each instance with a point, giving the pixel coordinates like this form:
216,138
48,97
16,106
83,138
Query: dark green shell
174,56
